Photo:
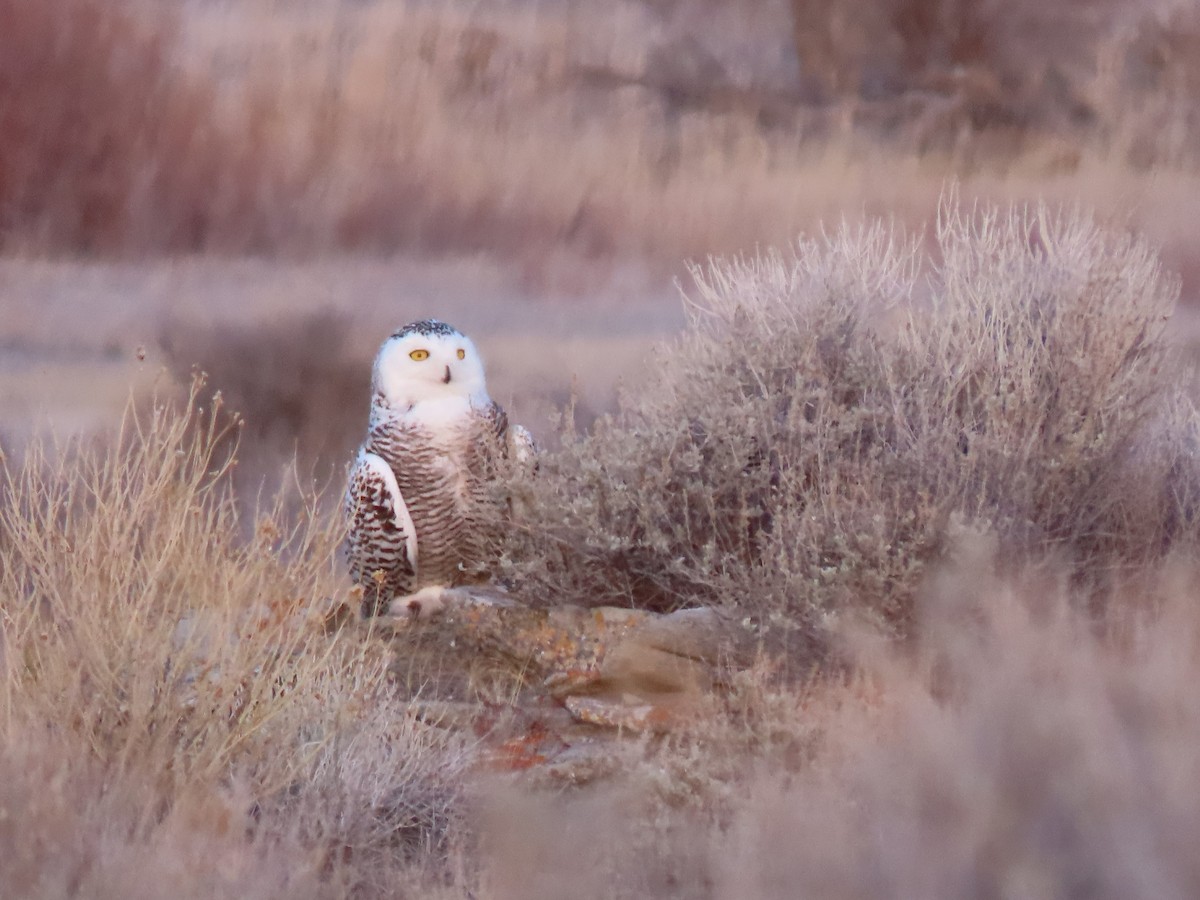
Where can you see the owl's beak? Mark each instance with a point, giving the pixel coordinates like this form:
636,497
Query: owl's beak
446,377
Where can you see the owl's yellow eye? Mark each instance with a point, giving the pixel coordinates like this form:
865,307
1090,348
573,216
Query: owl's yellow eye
462,354
419,355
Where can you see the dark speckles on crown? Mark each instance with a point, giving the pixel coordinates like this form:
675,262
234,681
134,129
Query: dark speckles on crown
426,328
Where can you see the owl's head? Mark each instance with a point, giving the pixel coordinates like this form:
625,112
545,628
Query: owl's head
428,360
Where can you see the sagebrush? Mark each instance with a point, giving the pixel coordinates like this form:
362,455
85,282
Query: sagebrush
833,415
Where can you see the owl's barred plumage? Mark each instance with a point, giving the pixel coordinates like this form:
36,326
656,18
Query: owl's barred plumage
383,537
420,488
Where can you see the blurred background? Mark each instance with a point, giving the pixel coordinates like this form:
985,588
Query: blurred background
264,189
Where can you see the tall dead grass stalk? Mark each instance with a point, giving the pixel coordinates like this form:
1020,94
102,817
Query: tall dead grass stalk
129,128
180,691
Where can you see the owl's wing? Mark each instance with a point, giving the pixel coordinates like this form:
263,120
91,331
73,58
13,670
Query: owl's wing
381,545
516,442
521,446
495,419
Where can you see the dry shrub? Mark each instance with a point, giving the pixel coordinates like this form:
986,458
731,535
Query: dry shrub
383,126
194,726
830,416
1015,755
1010,752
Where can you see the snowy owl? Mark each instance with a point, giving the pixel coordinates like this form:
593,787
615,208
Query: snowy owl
419,485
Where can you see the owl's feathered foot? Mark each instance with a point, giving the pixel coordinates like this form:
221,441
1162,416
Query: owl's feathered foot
422,604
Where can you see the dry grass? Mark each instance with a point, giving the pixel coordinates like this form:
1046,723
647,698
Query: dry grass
1010,752
529,131
175,717
977,439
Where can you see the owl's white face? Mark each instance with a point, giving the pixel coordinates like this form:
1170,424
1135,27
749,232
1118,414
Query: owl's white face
428,360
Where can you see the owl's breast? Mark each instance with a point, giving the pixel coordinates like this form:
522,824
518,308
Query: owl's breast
435,470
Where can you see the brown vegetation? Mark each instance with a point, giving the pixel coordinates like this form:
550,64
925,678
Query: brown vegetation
401,126
1012,752
291,385
949,480
174,716
105,146
177,718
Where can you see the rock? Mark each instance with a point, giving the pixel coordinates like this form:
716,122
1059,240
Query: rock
555,690
623,713
581,764
667,669
700,634
488,626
